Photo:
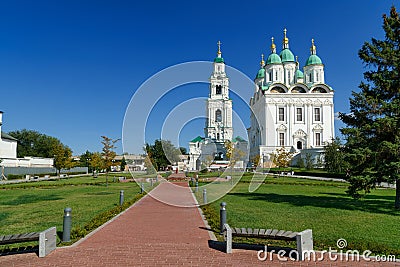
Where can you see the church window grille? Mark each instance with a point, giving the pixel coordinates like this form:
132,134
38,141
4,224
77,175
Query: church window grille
299,114
218,115
317,139
282,139
317,114
281,114
218,89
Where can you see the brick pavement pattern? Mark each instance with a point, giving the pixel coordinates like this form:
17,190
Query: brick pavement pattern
152,233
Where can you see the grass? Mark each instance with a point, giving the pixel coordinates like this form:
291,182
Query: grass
36,206
299,204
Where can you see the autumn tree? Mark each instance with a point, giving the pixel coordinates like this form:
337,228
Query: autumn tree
233,153
108,153
282,158
62,157
256,160
372,126
97,162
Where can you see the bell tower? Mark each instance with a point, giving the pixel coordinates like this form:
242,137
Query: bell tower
219,106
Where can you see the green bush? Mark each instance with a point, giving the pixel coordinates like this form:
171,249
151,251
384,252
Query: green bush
15,176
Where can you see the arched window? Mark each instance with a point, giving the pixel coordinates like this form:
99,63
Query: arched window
309,78
218,90
217,136
218,116
299,145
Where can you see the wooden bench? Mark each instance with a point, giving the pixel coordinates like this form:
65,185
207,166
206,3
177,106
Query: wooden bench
304,239
47,240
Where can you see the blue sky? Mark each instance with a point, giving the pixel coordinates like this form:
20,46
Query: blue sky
69,68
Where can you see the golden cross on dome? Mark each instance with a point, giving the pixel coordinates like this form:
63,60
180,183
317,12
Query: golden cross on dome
219,47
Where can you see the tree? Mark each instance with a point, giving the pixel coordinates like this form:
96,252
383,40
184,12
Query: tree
85,160
282,157
162,153
62,157
309,163
233,153
97,162
34,144
183,150
123,163
108,153
150,168
256,160
334,157
372,126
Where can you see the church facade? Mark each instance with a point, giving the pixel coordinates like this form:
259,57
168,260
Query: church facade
290,108
218,128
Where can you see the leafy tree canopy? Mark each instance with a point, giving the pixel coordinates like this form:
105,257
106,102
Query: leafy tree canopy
162,153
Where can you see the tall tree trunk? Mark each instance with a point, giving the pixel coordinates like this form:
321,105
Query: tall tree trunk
397,201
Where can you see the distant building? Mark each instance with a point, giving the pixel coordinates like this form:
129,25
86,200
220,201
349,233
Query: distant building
133,162
8,144
8,153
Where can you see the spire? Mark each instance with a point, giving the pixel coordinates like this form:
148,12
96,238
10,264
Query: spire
313,49
219,49
273,46
262,63
285,40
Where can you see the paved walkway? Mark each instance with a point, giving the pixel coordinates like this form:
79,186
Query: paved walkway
152,233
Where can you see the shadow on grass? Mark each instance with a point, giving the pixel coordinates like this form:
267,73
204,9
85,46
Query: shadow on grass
100,193
33,198
372,204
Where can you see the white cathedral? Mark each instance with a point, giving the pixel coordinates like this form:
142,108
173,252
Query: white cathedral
290,108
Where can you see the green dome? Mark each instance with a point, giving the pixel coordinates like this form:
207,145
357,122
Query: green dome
219,60
299,74
274,59
261,73
313,60
287,55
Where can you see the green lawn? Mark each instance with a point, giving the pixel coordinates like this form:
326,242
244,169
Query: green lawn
37,206
298,204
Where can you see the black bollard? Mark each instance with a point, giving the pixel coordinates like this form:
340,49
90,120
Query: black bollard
204,196
222,217
67,225
121,197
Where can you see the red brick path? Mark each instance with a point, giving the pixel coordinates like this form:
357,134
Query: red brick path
155,234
